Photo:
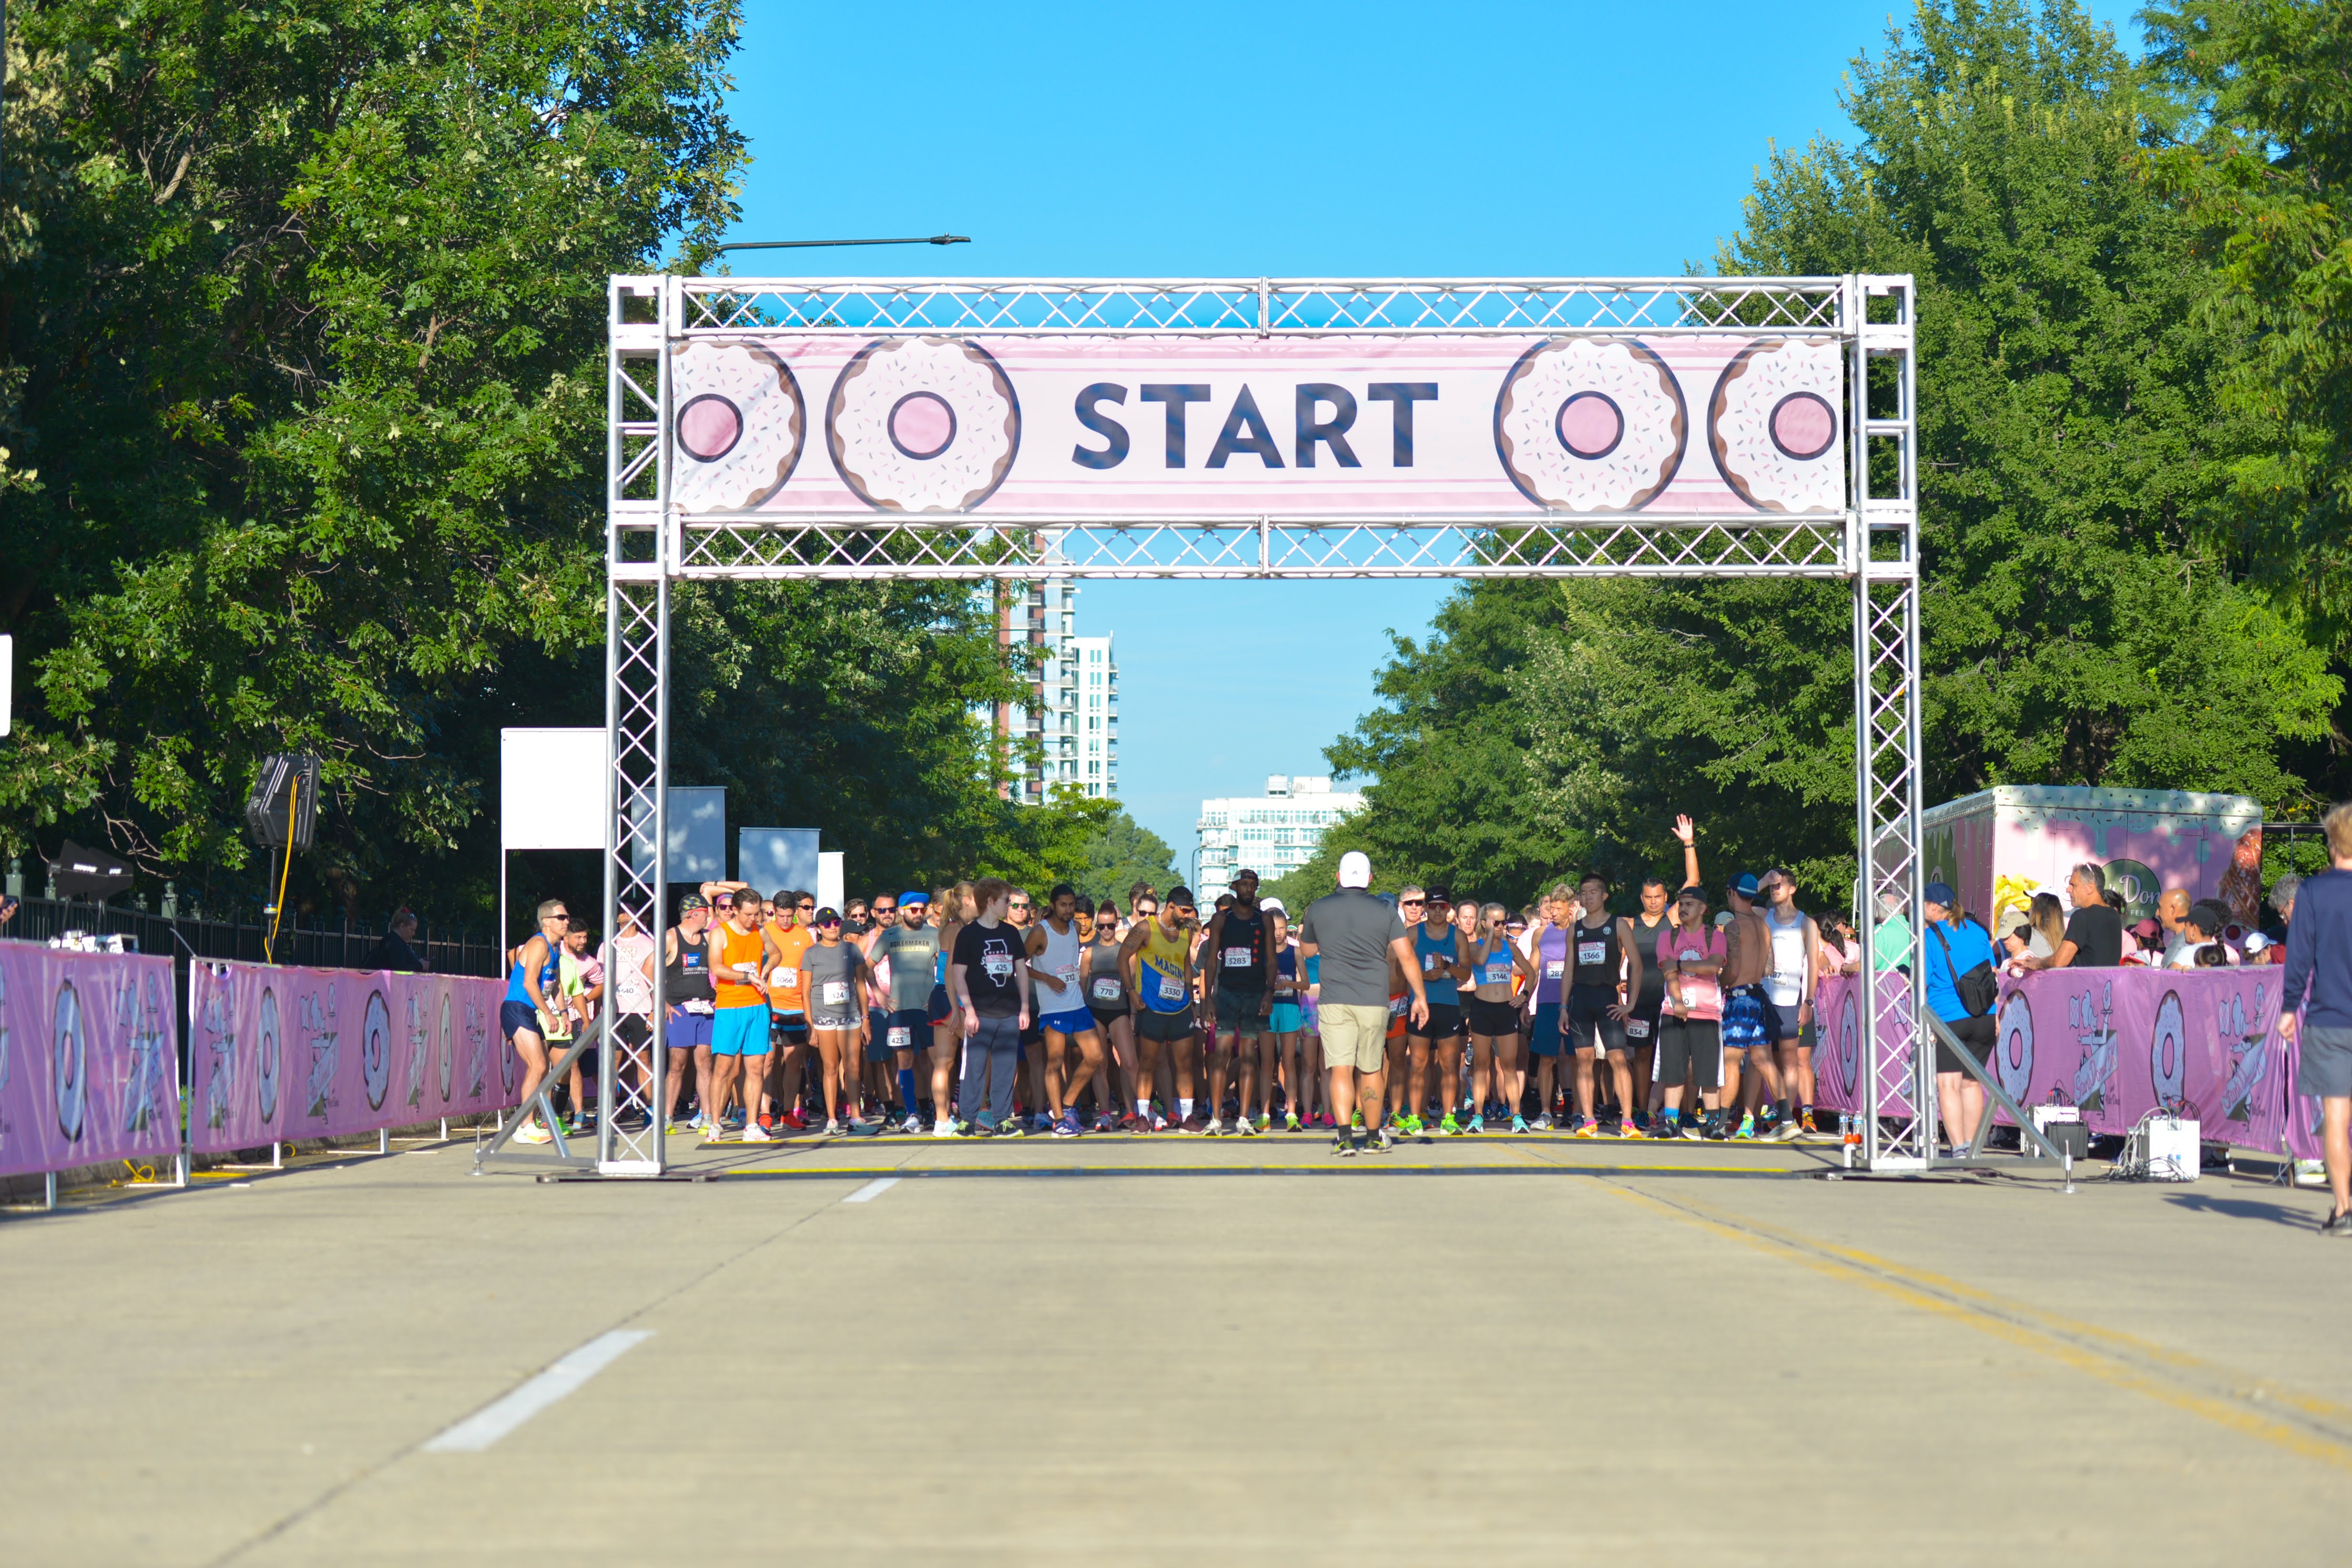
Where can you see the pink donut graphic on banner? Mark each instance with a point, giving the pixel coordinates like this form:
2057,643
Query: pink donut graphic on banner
923,424
266,1057
2168,1052
375,1050
70,1061
2013,1046
2248,1060
1849,1042
1773,424
1591,424
447,1045
740,426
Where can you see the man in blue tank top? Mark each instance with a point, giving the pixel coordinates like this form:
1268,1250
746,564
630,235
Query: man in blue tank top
534,996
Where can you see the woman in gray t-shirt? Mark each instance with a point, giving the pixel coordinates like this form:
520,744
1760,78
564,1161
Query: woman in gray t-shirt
832,977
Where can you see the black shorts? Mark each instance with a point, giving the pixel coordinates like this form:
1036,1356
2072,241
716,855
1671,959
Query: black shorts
1688,1048
1491,1020
1588,1020
1103,1020
1977,1034
788,1029
1176,1026
1035,1034
941,1012
632,1028
1445,1023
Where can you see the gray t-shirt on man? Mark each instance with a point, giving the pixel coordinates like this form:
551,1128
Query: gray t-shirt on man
1352,931
914,959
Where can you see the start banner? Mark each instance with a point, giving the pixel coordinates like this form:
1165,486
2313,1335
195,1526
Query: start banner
88,1058
279,1054
1297,425
2118,1043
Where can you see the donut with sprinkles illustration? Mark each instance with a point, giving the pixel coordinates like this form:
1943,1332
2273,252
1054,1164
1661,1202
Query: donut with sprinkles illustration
923,424
69,1062
1591,424
265,1060
1774,425
375,1050
739,425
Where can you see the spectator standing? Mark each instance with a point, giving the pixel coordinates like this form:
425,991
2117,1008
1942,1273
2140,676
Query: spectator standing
2171,909
1890,943
2094,933
396,951
628,961
2319,972
1953,948
2283,893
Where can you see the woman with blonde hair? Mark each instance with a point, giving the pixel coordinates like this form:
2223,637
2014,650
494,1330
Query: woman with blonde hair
950,910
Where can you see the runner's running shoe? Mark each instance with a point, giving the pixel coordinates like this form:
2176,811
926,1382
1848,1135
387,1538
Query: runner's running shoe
1343,1144
1069,1126
1688,1130
1519,1123
912,1125
1290,1121
1585,1128
1478,1124
1246,1127
1543,1122
944,1126
1451,1128
1747,1128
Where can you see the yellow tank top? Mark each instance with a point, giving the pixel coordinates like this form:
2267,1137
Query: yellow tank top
1161,968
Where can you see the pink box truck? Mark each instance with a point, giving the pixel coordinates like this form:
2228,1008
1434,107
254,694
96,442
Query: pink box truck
2000,846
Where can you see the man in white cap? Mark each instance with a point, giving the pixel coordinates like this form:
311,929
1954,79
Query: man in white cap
1360,941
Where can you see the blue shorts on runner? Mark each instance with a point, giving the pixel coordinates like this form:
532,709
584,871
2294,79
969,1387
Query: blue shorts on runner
740,1032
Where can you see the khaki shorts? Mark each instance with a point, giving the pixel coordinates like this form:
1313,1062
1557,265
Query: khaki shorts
1354,1037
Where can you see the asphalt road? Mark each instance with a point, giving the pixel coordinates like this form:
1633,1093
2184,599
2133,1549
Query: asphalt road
1162,1351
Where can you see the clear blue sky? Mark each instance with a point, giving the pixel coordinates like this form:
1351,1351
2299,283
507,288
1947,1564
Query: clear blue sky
1301,140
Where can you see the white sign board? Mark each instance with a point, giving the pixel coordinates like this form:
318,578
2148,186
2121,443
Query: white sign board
551,789
828,880
771,859
698,833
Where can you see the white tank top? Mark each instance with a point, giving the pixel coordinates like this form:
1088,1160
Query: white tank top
1060,959
1786,984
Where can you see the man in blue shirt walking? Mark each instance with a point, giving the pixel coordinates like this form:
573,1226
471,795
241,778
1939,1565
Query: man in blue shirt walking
2319,967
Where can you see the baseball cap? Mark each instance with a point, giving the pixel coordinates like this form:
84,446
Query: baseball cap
1274,904
692,901
914,896
1940,893
1355,869
2257,942
2146,928
1693,891
1746,885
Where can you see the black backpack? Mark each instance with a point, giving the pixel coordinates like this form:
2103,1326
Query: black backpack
1980,988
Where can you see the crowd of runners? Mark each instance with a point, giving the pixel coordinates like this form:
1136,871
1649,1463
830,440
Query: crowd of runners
982,1010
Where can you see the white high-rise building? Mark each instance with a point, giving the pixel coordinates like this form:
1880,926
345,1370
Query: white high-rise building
1270,834
1072,711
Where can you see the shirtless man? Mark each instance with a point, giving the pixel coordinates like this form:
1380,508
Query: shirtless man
1746,1011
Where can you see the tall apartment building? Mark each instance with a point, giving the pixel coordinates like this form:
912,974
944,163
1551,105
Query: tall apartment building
1269,834
1072,708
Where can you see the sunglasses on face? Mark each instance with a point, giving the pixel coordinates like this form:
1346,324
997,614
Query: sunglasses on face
805,909
1021,906
883,915
833,924
1412,903
565,918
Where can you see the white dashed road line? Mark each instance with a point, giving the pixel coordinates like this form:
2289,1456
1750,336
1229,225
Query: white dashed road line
872,1190
502,1416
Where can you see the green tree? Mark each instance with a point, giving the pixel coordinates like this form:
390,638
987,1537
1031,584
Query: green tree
2071,423
303,312
2263,163
1119,853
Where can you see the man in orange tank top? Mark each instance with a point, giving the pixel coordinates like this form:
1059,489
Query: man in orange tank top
739,1029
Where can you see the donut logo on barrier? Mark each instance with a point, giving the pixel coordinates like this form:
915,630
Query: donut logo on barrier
1849,1044
1773,424
1591,424
143,1102
420,1047
375,1050
266,1058
2013,1046
69,1060
923,424
447,1046
740,426
2168,1051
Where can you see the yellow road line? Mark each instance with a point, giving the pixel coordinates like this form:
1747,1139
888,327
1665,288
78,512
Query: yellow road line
2101,1353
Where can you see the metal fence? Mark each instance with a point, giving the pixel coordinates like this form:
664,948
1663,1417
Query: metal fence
341,946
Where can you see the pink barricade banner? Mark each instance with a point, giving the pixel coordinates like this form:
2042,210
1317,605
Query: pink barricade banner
2118,1043
88,1058
279,1054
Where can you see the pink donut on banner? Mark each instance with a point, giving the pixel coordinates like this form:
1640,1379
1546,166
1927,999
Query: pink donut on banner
923,424
1774,427
739,425
1591,424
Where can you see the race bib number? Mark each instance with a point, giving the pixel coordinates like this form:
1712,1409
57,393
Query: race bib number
835,993
1429,962
783,974
1240,957
1637,1028
703,1007
1170,988
1106,990
1396,1006
1552,967
999,969
902,1038
1067,974
1498,972
1591,954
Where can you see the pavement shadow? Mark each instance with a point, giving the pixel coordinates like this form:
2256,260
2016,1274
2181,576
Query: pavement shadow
2269,1210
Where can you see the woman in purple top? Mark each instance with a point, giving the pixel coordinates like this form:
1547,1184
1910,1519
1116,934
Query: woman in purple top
1547,949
